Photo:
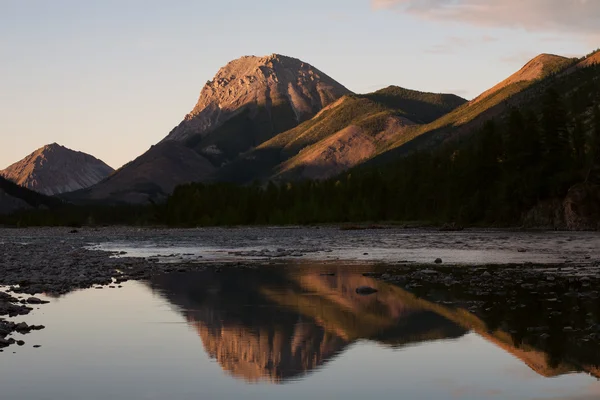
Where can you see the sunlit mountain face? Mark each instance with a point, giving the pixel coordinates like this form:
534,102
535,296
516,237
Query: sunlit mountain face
279,325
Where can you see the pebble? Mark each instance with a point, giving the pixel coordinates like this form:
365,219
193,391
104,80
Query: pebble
35,300
366,290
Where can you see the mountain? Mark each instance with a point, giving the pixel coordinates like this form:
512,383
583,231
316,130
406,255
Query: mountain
16,198
249,101
382,126
525,153
273,85
152,176
54,169
342,135
253,123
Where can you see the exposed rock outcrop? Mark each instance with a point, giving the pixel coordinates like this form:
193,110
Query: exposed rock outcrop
578,211
254,82
582,207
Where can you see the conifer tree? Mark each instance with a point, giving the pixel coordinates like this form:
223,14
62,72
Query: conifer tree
595,139
578,145
555,133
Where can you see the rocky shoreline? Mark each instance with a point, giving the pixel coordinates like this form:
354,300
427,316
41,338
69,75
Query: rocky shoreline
55,262
555,308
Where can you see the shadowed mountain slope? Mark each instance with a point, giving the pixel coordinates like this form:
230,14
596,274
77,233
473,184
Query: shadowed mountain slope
152,176
346,133
17,198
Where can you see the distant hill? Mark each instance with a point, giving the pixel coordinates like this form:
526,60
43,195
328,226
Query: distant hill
55,169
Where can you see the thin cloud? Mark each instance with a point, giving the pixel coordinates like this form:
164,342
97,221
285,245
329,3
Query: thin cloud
450,46
565,16
454,43
489,39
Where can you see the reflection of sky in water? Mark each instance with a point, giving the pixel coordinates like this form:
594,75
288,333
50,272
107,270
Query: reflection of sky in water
131,344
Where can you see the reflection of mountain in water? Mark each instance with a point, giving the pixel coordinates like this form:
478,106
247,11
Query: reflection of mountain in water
275,325
267,325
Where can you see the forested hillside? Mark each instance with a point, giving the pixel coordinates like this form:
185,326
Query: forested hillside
535,162
539,164
14,197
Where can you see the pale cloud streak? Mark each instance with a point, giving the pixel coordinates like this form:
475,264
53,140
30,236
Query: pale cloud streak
565,16
454,43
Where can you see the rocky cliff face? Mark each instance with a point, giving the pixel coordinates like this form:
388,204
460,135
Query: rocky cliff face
55,169
259,82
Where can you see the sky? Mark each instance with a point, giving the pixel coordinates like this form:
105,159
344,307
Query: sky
113,77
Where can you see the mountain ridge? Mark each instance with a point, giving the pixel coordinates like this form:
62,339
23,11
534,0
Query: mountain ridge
249,101
246,127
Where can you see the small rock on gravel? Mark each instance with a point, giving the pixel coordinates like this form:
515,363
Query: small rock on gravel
35,300
365,290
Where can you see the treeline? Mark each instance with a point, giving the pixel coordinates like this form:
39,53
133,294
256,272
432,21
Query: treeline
492,177
30,197
89,215
489,177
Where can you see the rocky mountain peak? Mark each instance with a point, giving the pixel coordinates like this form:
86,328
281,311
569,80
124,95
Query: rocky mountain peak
253,82
55,169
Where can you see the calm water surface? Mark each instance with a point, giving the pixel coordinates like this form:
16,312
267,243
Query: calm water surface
274,333
470,247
